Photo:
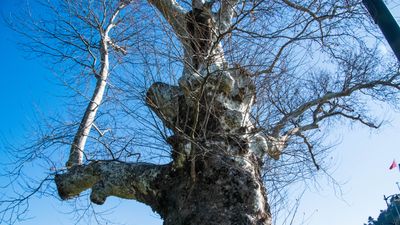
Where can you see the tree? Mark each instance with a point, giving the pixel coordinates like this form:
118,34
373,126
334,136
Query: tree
249,82
388,216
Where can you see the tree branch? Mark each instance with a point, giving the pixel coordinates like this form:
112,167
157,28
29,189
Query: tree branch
310,150
112,178
225,14
329,96
173,13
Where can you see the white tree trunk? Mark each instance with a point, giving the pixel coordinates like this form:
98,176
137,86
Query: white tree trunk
77,148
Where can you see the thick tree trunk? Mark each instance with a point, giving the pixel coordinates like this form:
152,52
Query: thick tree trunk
227,191
214,176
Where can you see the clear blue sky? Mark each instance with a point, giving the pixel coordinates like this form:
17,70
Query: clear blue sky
362,158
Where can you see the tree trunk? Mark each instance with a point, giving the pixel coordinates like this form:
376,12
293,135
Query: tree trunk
227,190
214,176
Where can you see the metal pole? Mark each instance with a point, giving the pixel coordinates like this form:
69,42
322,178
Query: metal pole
388,25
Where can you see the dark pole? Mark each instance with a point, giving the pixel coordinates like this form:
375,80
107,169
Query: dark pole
388,25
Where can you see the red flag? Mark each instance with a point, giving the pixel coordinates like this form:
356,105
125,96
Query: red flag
394,165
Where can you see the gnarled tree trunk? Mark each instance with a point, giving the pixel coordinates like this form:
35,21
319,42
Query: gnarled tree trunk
217,148
214,176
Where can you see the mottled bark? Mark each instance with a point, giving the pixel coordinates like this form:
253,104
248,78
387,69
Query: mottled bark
227,190
112,178
214,175
217,150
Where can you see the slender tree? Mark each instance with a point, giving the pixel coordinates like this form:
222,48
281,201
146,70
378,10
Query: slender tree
240,93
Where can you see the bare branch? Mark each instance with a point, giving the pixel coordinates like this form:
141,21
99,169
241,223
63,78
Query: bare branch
310,149
329,96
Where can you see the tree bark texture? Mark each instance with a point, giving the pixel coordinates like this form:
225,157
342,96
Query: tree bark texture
227,190
214,176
